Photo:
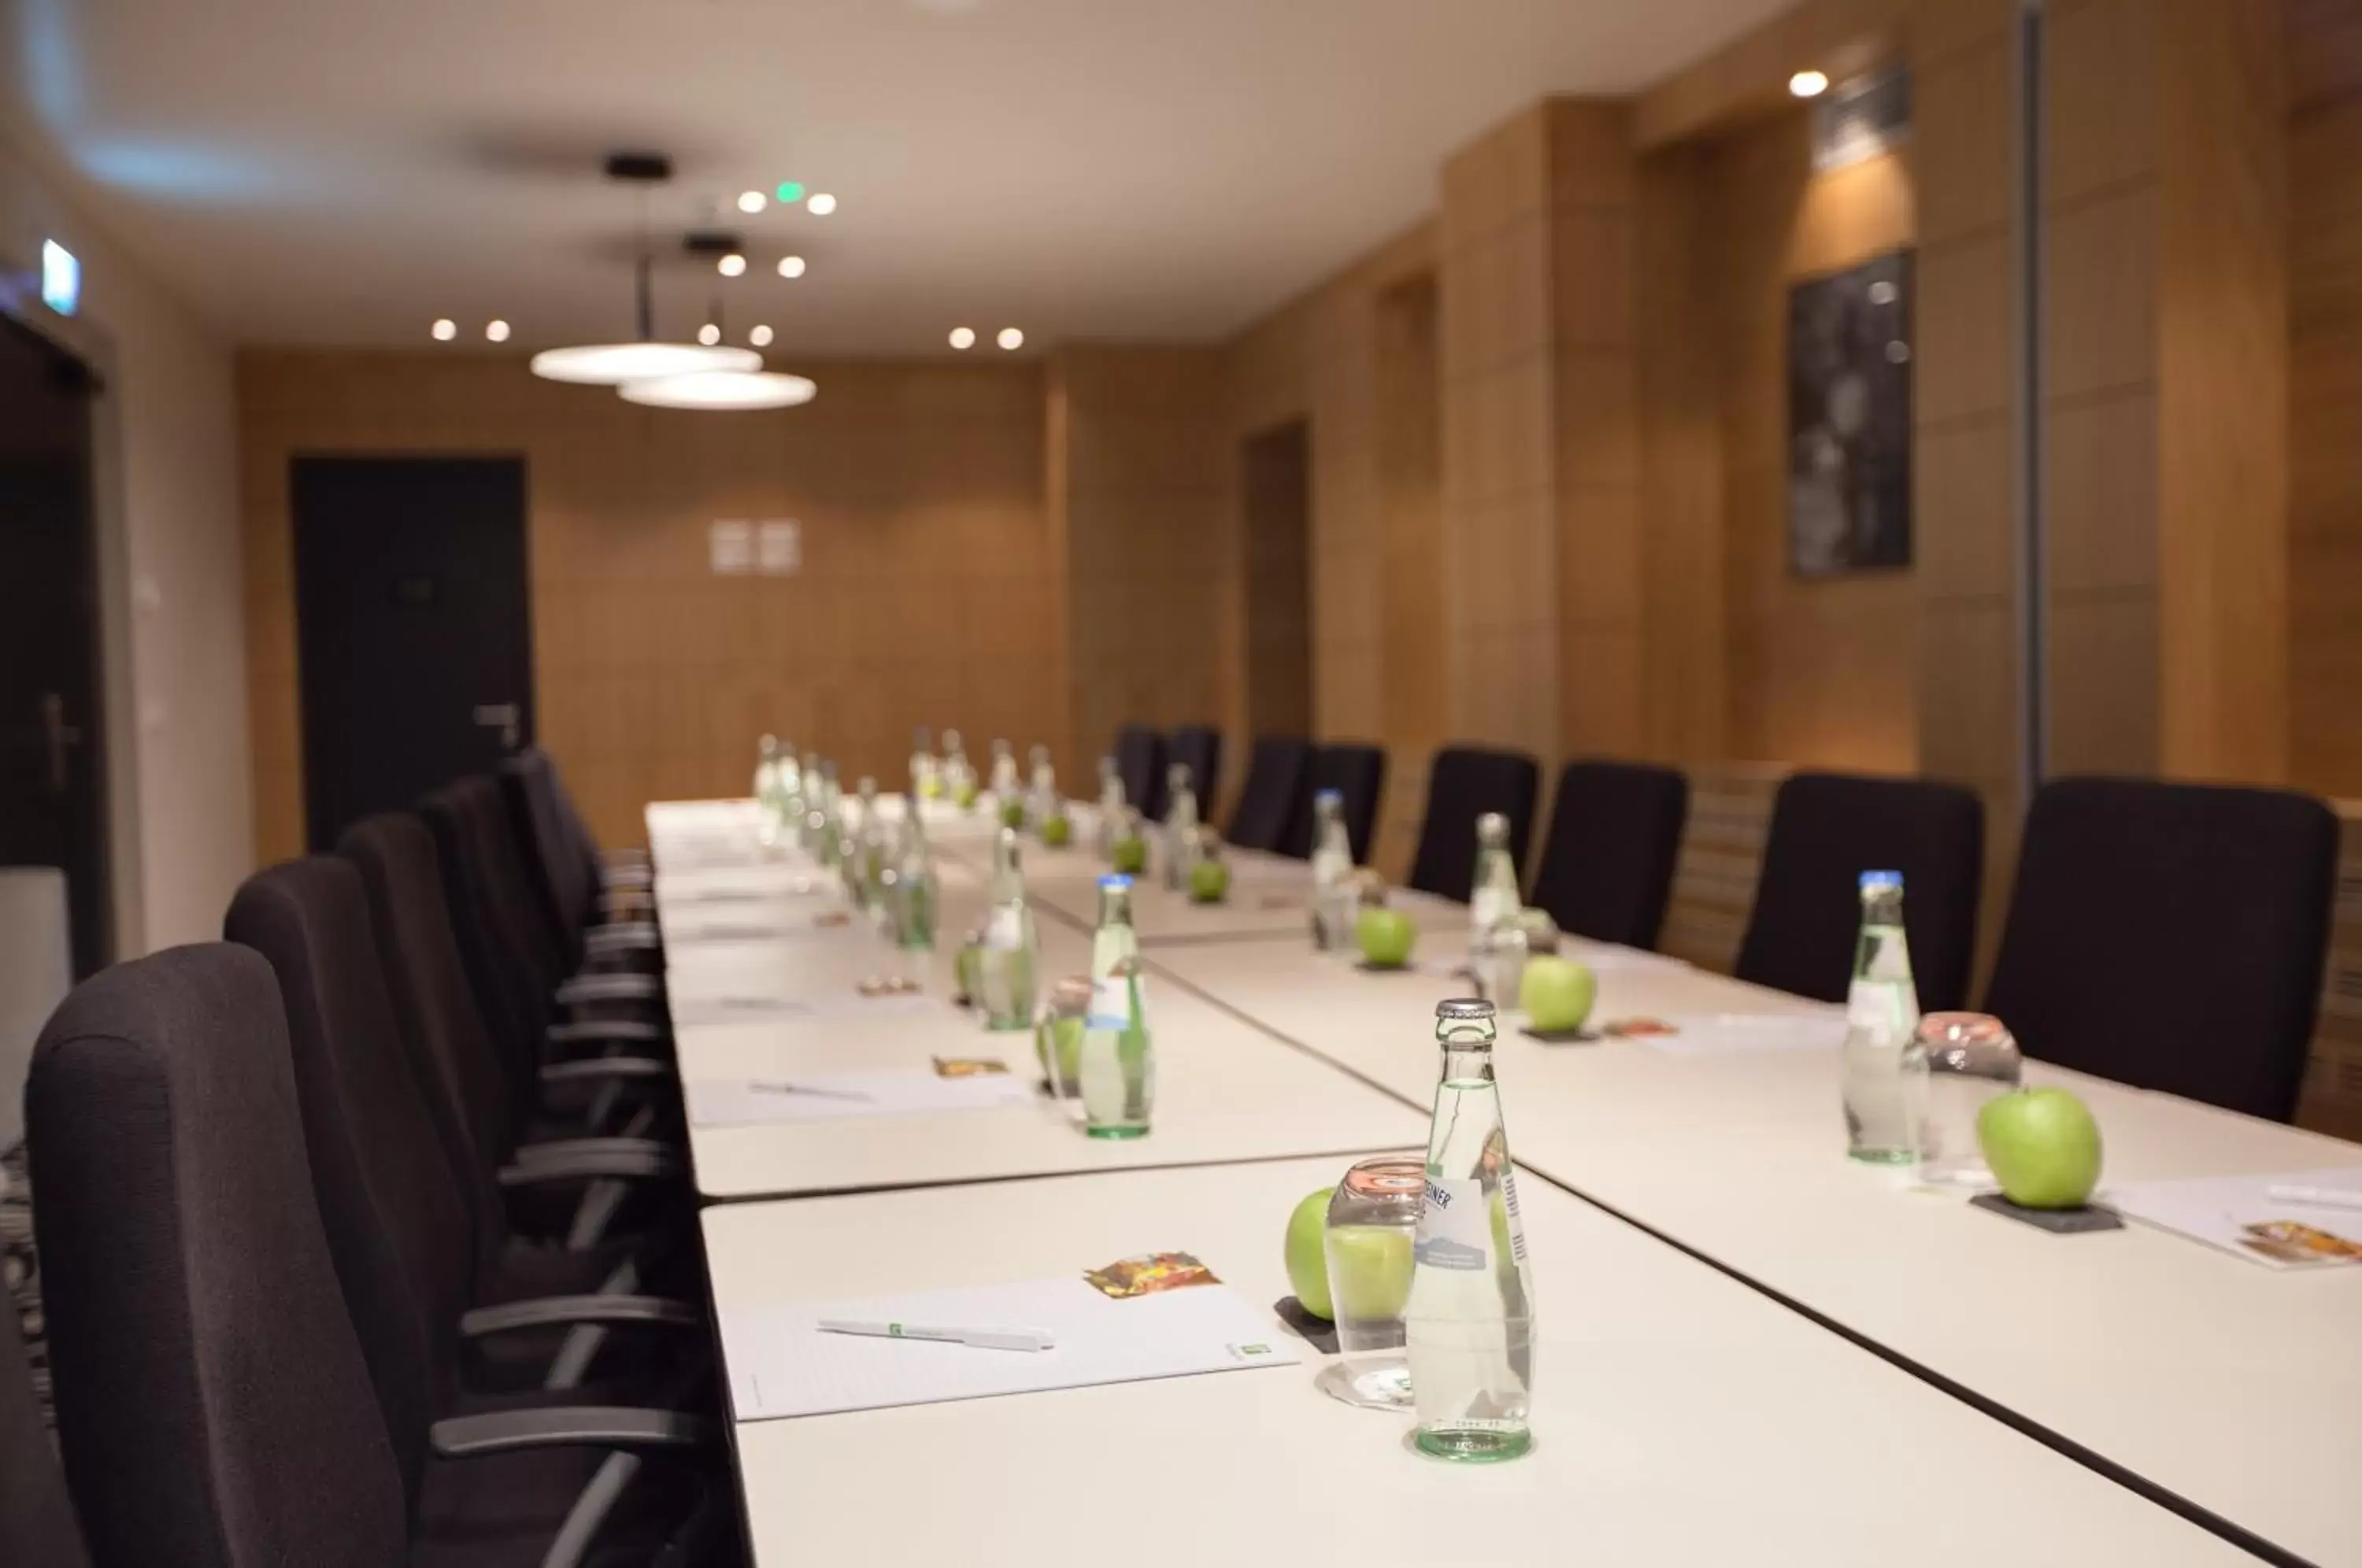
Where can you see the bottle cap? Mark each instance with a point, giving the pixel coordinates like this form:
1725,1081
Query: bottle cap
1878,881
1115,882
1465,1009
1334,797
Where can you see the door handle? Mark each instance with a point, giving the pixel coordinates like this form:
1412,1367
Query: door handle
500,716
55,737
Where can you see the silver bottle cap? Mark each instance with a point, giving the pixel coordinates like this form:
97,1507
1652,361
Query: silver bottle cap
1465,1009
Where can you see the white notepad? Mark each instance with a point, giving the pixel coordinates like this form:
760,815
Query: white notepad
781,1364
763,1008
2217,1211
762,927
839,1097
1749,1033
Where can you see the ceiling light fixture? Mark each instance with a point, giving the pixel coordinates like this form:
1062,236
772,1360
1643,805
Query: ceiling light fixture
1011,338
962,336
820,203
732,265
497,330
751,200
612,364
445,329
760,336
791,266
722,390
1808,84
709,335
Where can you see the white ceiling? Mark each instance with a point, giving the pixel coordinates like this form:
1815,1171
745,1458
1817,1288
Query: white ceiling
342,171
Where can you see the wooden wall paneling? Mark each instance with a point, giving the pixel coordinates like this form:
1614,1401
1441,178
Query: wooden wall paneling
1410,479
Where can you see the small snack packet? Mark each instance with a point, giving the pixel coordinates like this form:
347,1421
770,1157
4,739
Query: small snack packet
968,1067
1636,1027
1148,1273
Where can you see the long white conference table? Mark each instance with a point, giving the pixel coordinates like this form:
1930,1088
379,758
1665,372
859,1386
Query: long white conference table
1753,1350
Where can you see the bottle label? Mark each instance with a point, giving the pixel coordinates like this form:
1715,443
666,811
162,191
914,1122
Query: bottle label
1005,931
1455,1225
1111,1004
1517,1220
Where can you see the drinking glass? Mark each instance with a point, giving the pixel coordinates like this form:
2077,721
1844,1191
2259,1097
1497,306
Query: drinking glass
1373,1217
1970,1058
1058,1043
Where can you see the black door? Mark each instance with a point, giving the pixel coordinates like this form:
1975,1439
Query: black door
413,635
53,778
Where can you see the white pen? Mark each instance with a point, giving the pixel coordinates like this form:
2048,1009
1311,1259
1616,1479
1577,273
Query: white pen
763,1086
2319,1197
982,1339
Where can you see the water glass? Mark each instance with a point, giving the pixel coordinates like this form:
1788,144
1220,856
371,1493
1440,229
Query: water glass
1058,1042
1499,964
1970,1058
1373,1221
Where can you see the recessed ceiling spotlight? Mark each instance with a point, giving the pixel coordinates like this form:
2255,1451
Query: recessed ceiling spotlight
709,335
1808,83
497,330
820,203
791,266
751,200
445,329
962,336
732,265
1011,338
760,336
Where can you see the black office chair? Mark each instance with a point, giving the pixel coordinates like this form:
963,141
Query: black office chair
1608,866
213,1405
37,1517
1827,830
2170,936
1462,784
1358,774
1139,762
1268,798
1198,748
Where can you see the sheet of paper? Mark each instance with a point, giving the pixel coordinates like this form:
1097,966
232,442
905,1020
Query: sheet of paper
2238,1215
762,928
767,1008
781,1364
1747,1033
841,1097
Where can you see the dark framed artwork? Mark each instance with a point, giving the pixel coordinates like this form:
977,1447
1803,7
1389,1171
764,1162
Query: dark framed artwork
1849,419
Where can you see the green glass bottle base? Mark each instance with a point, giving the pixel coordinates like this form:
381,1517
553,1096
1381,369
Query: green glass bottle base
1473,1447
1883,1156
1117,1131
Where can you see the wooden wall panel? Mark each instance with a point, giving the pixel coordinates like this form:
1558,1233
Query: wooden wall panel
928,593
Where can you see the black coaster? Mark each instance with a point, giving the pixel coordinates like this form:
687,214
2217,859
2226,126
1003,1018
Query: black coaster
1317,1333
1365,967
1561,1036
2057,1221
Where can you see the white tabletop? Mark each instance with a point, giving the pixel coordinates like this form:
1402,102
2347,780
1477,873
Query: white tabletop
1680,1417
2229,1385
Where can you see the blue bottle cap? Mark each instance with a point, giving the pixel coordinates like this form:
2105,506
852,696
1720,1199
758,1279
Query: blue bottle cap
1116,882
1336,797
1875,880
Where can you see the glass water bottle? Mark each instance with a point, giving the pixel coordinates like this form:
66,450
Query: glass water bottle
1118,1067
1885,1088
1013,950
1335,903
1180,827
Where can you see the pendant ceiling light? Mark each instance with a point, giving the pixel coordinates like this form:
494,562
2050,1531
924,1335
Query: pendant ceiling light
721,389
612,364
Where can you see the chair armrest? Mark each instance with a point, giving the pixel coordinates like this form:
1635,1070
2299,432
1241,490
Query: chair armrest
564,1311
604,1069
577,1426
641,1160
610,988
552,1148
620,936
605,1031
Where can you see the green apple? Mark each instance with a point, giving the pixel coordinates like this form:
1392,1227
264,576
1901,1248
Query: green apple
1209,882
1385,937
1556,993
2042,1147
1129,856
1064,1035
1057,832
964,797
1307,1262
1369,1270
1012,814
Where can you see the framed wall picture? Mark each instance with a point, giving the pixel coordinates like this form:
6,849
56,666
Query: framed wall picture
1849,419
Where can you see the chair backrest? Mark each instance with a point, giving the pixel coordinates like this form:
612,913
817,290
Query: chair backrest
1140,763
1198,748
2170,936
562,876
403,1235
1827,830
37,1518
509,959
213,1408
1607,865
433,1002
1462,784
1358,774
1267,800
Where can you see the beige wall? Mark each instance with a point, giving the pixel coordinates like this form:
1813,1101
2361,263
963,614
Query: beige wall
928,593
177,723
